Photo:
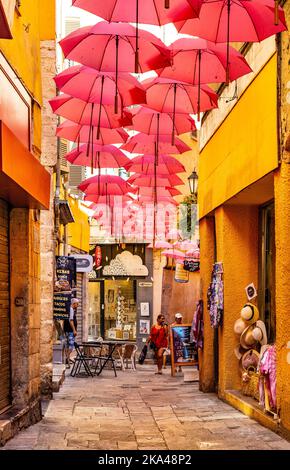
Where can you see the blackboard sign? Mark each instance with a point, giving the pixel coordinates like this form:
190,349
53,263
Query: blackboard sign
65,280
191,265
61,306
182,350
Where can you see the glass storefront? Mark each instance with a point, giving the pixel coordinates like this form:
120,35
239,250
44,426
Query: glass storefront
113,309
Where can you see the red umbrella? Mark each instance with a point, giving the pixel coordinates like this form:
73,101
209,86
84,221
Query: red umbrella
110,47
142,143
109,200
167,95
92,86
197,61
105,185
161,192
235,20
101,156
76,133
89,114
150,121
161,200
152,181
171,253
146,164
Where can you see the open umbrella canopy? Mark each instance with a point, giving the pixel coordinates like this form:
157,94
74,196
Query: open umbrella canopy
110,47
162,244
89,114
93,86
234,20
104,156
150,121
197,61
141,11
111,200
165,95
185,245
76,133
104,185
162,200
171,253
152,181
143,143
146,164
159,192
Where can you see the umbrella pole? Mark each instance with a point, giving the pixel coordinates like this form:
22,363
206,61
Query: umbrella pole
100,108
228,42
198,90
117,67
137,38
167,4
174,111
99,172
276,12
90,130
157,143
78,143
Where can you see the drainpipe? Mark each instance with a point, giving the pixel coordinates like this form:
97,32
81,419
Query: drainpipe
57,197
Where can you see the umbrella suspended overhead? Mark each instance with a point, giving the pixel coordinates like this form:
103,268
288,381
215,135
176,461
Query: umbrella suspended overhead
235,20
103,156
105,185
76,133
160,191
110,200
158,181
167,95
175,254
142,143
150,121
146,164
197,61
111,47
92,86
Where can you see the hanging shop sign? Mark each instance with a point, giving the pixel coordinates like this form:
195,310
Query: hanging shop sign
126,264
84,263
181,275
64,287
191,265
145,284
251,291
98,256
183,352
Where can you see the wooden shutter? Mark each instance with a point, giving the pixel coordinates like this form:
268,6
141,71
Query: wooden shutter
80,306
5,362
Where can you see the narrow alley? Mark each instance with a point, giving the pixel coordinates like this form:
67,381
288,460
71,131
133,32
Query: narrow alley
142,411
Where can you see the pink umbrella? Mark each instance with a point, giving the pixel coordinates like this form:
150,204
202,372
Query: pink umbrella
92,86
105,185
76,133
155,181
150,121
167,96
160,192
110,47
146,164
185,245
142,143
198,61
161,245
101,156
175,254
89,114
164,200
97,200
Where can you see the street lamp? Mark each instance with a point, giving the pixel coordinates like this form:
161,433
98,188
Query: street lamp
193,182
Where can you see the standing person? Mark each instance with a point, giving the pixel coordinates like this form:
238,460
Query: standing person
70,329
178,321
159,340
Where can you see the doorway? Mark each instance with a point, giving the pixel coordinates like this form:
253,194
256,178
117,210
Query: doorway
113,309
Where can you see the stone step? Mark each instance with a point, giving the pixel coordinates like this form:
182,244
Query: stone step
58,376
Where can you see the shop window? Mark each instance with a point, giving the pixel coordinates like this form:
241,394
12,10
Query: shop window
120,309
267,270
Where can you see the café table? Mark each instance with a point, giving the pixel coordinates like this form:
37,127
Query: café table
108,358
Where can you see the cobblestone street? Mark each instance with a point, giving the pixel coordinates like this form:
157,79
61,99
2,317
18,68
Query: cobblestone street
142,411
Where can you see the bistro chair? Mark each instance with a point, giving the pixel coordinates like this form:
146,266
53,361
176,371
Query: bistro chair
84,358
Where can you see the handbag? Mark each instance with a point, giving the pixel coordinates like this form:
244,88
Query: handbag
250,383
153,346
143,354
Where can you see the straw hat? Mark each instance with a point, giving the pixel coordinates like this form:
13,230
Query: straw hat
239,351
249,313
239,326
253,334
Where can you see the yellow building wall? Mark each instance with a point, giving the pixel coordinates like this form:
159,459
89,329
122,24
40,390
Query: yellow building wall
244,147
79,231
35,23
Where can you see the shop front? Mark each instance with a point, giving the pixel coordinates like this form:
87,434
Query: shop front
120,293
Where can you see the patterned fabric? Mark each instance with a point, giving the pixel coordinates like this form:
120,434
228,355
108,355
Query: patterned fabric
196,332
215,296
268,373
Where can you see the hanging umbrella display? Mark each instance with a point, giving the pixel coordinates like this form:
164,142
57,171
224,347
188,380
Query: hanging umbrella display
74,132
142,143
155,181
149,121
175,254
105,185
110,200
153,12
162,244
100,156
223,21
160,192
185,245
167,95
93,86
111,47
146,164
198,61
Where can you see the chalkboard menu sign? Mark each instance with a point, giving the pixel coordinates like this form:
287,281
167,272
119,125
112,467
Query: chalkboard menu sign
61,305
183,352
191,265
64,286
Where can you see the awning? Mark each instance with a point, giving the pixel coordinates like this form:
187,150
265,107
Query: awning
24,182
65,213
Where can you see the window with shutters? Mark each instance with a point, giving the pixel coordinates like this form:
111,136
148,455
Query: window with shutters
63,150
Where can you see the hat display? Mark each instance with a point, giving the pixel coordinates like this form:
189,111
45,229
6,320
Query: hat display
249,313
239,326
239,351
253,334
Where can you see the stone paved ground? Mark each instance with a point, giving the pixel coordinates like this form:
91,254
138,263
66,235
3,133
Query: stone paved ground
139,410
